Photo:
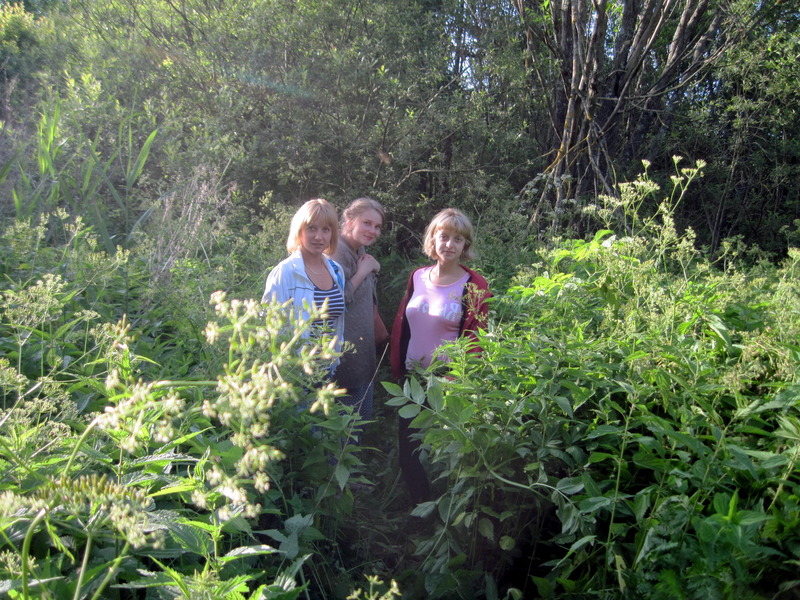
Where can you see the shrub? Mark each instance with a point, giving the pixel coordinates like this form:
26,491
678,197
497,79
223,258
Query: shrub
624,432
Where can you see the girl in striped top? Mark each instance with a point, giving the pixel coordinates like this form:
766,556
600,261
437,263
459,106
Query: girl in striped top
308,277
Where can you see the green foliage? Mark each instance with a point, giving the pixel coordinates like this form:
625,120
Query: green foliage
21,52
112,480
630,429
624,432
16,35
750,143
67,170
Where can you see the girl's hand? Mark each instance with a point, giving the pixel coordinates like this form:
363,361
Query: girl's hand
368,264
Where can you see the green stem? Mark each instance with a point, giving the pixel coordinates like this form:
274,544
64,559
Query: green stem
84,565
166,384
26,548
305,584
617,485
789,470
78,445
111,571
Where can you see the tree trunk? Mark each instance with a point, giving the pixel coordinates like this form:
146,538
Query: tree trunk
616,71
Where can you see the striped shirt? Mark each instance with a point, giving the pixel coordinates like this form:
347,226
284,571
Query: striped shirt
335,308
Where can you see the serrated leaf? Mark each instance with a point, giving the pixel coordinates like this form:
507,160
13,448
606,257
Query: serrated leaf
423,509
342,474
393,388
435,397
569,485
414,390
590,505
246,551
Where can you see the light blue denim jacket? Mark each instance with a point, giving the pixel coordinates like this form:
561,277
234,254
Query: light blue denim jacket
289,281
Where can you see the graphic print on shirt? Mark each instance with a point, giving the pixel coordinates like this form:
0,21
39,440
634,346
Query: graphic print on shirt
451,311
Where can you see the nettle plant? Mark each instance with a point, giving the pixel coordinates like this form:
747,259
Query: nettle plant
630,428
177,487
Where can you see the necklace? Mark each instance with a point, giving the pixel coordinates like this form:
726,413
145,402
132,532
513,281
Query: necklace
308,268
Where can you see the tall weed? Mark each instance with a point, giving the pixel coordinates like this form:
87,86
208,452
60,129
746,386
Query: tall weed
112,479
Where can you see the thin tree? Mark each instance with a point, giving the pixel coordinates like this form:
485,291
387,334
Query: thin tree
613,67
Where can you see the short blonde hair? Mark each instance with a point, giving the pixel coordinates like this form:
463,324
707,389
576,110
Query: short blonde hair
358,207
455,221
318,208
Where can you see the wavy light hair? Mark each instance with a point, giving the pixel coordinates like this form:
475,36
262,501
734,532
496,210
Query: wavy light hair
453,221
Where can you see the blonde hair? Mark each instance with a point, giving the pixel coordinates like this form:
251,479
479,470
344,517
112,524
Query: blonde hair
357,208
318,208
455,221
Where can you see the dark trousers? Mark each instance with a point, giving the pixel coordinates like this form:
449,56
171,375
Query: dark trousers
413,474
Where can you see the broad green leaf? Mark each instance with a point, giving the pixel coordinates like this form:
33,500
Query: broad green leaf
414,390
393,388
486,528
564,404
507,543
597,457
247,551
602,430
397,401
409,411
590,505
435,397
342,474
641,504
569,485
424,509
689,441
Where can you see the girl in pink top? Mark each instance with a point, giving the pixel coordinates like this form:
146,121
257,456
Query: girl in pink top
434,316
442,302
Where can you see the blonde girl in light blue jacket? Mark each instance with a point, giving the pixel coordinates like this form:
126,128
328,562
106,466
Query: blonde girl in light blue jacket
308,277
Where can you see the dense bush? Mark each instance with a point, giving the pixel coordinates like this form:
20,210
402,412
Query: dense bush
629,430
115,480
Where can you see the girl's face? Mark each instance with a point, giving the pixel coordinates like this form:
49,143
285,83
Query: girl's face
449,245
364,229
315,237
